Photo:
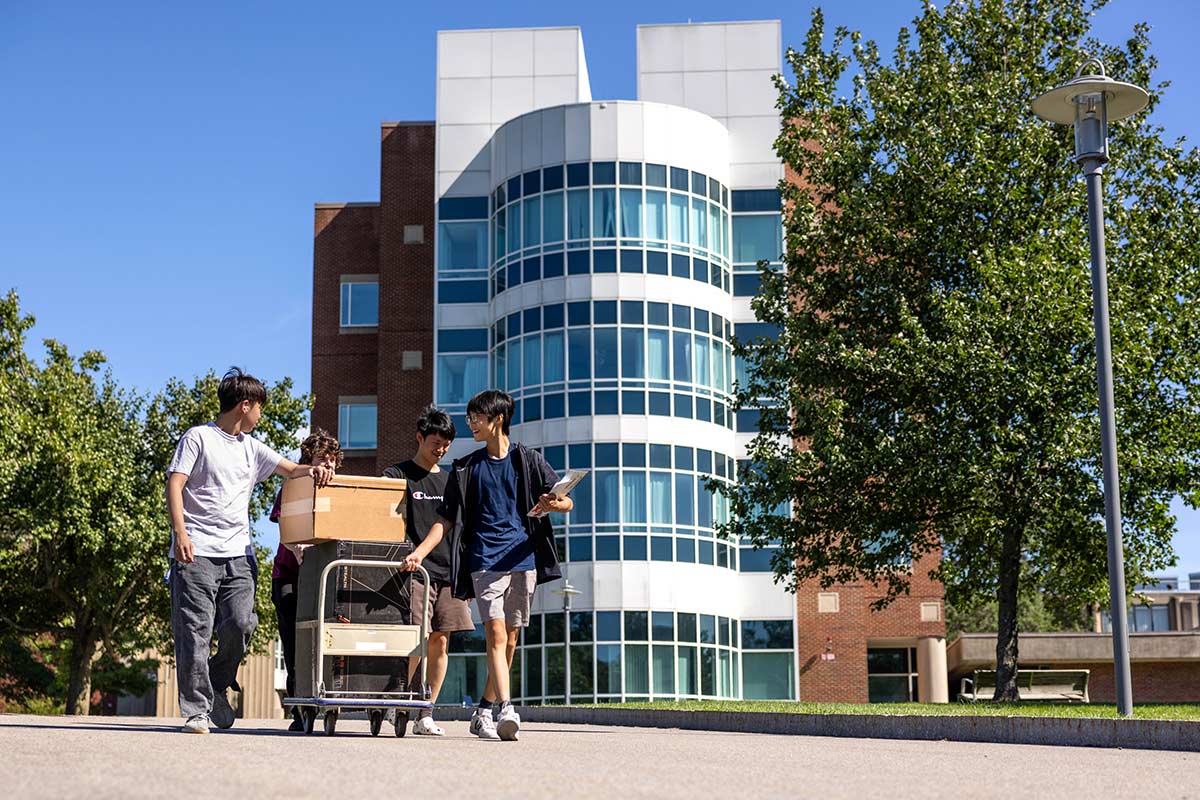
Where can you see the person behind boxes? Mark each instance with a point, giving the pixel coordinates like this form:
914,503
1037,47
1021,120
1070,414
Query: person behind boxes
426,491
323,449
213,569
505,552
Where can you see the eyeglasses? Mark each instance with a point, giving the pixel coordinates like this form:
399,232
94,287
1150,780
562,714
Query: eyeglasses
476,419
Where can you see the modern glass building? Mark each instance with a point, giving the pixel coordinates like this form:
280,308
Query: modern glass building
595,260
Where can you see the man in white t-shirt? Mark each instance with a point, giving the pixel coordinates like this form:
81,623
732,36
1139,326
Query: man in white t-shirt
213,567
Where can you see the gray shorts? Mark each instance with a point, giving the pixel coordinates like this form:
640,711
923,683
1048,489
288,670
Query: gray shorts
505,595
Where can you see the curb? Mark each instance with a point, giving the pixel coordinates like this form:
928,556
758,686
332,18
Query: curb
1134,734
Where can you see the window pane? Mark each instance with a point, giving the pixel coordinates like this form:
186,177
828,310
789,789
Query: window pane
632,353
637,625
555,628
660,498
657,355
513,376
578,214
608,626
556,672
552,352
579,343
1159,619
883,689
637,669
679,218
699,223
356,425
461,377
608,669
533,672
769,634
757,238
656,215
768,676
604,214
606,353
533,221
886,660
701,354
532,345
514,228
682,367
462,245
716,235
685,500
664,669
364,304
688,663
607,490
581,671
662,626
552,217
633,503
631,213
708,671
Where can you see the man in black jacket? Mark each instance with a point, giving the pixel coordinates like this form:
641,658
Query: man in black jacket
504,552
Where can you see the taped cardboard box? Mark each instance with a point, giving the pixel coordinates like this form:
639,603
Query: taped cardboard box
353,507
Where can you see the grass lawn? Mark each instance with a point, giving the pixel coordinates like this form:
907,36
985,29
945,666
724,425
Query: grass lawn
1184,711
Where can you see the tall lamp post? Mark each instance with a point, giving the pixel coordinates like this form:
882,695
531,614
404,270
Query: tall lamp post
1089,101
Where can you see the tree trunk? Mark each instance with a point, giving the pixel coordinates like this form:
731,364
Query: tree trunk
1006,599
79,684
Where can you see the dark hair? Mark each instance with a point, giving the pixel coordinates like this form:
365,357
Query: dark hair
237,387
491,402
320,444
434,420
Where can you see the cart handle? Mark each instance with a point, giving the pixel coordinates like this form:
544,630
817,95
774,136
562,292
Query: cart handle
359,562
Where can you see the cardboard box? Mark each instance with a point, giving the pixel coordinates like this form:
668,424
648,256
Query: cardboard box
350,507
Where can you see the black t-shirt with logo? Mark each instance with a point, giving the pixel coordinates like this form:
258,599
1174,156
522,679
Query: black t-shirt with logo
426,491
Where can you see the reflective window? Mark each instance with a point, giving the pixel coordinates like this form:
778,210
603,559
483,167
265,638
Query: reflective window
758,237
356,425
604,214
631,213
462,245
360,304
578,219
532,215
552,217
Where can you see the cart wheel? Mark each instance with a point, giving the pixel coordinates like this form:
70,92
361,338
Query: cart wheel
310,719
401,722
376,718
330,721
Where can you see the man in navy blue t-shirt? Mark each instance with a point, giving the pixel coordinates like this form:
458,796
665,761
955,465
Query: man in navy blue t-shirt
507,553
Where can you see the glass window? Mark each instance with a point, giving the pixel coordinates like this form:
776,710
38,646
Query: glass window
688,664
579,354
633,505
708,671
552,178
581,626
660,498
604,172
715,232
687,627
661,548
608,669
356,425
662,626
533,672
514,228
757,560
699,223
552,353
462,292
699,183
679,218
578,214
757,238
656,215
608,626
756,200
552,217
555,628
513,375
556,672
532,358
577,174
637,625
462,245
360,304
532,215
657,355
635,548
683,357
604,214
460,377
632,353
887,688
886,660
679,179
664,669
768,634
500,229
701,353
631,173
637,669
656,175
684,500
605,352
631,213
462,340
708,629
608,492
463,208
768,676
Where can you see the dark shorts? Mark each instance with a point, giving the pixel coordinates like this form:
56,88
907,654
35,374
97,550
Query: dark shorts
448,614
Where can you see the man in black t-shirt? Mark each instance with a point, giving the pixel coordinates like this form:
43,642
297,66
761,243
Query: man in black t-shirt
426,490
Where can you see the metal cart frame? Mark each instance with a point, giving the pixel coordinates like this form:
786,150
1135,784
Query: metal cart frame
330,704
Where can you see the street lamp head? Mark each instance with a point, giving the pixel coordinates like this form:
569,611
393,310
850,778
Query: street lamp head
1089,101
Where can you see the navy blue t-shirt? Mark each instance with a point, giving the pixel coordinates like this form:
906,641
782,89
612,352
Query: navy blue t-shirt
501,542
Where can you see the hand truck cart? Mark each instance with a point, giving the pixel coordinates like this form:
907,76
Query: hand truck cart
335,638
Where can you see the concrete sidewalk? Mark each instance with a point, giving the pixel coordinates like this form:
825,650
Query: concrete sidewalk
100,757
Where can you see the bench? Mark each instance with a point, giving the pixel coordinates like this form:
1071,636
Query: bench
1052,685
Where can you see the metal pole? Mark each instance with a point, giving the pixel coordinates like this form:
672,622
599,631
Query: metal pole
1092,168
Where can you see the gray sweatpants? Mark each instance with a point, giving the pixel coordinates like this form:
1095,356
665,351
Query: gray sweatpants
204,591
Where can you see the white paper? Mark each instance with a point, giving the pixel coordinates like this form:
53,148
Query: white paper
564,486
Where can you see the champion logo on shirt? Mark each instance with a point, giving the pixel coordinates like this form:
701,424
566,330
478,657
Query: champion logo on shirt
419,495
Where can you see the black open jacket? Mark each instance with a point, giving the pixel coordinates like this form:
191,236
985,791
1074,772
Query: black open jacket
534,478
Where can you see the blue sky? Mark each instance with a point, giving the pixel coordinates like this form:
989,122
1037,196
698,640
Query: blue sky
159,161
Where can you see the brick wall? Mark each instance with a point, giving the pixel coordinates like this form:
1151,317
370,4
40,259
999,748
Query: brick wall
1153,681
369,239
849,630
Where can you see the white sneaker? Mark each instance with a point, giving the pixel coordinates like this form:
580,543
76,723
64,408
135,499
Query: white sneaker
197,723
508,727
487,726
223,714
475,716
425,726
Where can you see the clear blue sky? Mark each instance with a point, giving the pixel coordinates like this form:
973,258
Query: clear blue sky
159,161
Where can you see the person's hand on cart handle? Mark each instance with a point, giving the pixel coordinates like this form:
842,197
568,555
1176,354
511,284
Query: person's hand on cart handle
411,562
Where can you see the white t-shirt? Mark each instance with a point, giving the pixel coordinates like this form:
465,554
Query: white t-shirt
222,471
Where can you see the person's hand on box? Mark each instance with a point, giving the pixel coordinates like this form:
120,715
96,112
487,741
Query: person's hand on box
322,475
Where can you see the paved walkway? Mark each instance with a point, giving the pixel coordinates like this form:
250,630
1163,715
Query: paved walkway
101,757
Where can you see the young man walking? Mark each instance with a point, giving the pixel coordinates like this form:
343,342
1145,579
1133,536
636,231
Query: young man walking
427,491
506,553
213,568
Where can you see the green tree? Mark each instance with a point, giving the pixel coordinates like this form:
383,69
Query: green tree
932,386
85,534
